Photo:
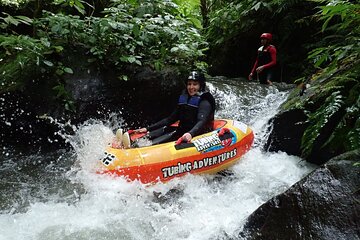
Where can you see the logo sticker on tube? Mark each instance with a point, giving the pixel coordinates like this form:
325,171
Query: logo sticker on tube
207,142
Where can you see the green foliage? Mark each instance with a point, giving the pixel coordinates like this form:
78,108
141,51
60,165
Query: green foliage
341,97
341,23
64,97
131,32
354,134
347,132
24,59
79,5
19,55
190,10
229,19
319,119
338,56
139,32
8,20
148,33
15,3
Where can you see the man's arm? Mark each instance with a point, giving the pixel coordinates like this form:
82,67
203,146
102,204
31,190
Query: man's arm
166,121
203,115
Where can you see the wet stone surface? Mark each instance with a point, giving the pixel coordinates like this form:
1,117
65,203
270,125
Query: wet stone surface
324,205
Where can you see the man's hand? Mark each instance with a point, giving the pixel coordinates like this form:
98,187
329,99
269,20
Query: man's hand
184,138
260,69
187,137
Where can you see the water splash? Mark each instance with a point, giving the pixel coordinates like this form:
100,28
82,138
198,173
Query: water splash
192,207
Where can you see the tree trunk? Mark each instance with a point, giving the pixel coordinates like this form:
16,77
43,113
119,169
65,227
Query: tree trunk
204,12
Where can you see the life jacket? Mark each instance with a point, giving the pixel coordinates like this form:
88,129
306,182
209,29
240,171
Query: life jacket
264,55
188,109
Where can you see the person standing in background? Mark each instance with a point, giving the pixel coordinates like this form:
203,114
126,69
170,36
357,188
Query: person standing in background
265,61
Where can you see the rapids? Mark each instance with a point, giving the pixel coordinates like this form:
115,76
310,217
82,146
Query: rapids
58,195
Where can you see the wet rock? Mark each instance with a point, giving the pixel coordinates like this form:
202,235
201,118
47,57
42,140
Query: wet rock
170,197
286,132
296,122
98,92
21,125
324,205
28,115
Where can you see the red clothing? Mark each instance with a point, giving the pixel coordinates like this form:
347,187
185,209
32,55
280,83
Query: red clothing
266,57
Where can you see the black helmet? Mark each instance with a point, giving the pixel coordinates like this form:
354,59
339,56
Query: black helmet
196,76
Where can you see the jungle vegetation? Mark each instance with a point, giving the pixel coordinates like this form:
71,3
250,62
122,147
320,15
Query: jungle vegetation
36,36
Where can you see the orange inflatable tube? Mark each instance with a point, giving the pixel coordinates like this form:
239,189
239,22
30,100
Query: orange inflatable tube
205,154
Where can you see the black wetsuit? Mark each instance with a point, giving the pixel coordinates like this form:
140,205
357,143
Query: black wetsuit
195,115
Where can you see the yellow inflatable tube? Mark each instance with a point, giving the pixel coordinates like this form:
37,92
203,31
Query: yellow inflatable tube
205,154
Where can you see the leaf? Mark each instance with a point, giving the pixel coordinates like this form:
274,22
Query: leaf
322,58
11,20
124,77
79,4
158,65
163,50
45,42
196,22
59,72
25,20
257,6
113,25
318,121
80,10
60,89
131,59
136,30
67,106
48,63
58,49
68,70
174,49
56,28
324,26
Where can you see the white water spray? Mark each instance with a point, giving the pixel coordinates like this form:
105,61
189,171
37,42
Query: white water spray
193,207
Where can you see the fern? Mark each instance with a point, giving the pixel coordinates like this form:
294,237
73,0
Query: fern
354,134
346,135
332,84
341,23
318,121
285,5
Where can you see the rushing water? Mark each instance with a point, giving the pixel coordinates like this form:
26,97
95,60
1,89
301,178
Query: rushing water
59,195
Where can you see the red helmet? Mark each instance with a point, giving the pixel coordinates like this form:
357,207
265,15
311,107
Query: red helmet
267,36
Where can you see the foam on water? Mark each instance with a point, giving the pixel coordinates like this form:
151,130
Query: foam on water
193,207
